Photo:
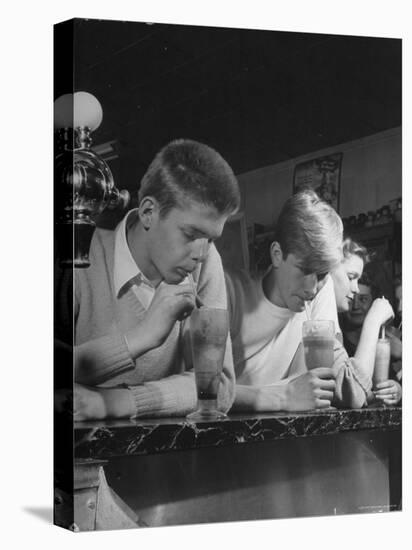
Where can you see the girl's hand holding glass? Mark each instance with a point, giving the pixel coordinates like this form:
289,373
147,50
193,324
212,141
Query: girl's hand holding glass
388,392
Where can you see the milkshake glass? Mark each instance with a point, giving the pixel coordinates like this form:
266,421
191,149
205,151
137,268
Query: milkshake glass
209,329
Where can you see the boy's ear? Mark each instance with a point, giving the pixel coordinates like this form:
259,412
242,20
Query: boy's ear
276,255
148,212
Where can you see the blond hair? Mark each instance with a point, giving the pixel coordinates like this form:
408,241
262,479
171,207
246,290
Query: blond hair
310,229
351,247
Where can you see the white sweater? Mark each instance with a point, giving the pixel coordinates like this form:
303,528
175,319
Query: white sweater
266,339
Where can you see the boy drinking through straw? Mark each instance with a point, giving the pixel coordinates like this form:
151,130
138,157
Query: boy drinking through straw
267,313
131,356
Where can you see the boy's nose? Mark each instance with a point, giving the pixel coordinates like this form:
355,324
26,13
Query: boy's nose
310,286
201,249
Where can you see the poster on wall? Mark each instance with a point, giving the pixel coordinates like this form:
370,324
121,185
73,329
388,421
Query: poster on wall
321,174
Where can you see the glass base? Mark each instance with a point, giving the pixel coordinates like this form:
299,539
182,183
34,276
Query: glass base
206,412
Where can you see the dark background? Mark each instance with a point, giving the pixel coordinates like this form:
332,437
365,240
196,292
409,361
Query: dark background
258,97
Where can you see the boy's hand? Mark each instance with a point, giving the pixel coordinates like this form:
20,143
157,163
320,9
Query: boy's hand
312,390
99,403
388,392
170,303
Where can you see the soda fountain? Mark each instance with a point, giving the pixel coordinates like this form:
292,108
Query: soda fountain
83,181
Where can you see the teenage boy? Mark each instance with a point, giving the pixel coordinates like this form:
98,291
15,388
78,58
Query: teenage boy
131,354
267,314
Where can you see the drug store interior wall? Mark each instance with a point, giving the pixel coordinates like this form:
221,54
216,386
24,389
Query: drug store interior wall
371,176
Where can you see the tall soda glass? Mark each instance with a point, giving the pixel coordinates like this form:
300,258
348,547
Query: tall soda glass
318,342
382,361
209,329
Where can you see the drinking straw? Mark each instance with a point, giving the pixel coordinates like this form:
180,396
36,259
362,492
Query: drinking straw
307,311
198,301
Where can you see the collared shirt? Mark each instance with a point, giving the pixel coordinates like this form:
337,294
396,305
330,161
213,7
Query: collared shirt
127,273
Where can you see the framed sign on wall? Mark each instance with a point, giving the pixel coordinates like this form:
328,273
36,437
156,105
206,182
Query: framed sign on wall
321,174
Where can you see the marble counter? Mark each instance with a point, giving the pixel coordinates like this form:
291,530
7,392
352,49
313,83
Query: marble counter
108,439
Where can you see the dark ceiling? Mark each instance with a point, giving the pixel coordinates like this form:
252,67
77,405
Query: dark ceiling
258,97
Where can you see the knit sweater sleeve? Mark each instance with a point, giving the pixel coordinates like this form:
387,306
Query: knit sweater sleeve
176,395
95,360
353,388
171,396
100,359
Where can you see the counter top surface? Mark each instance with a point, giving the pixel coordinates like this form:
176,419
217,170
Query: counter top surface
110,438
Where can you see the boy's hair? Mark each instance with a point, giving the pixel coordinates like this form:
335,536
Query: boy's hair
310,229
350,248
184,171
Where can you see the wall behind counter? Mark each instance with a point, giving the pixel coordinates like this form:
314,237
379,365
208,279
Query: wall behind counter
371,176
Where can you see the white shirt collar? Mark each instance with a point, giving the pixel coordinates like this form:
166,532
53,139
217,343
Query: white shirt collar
125,268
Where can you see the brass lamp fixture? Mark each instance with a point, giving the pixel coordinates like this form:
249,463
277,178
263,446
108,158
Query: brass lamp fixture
84,184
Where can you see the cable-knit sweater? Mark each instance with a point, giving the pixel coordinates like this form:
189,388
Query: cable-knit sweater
159,380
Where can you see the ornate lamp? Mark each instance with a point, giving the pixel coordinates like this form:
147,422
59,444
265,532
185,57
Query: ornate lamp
84,184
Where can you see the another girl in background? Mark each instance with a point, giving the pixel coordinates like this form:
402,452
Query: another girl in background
394,333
